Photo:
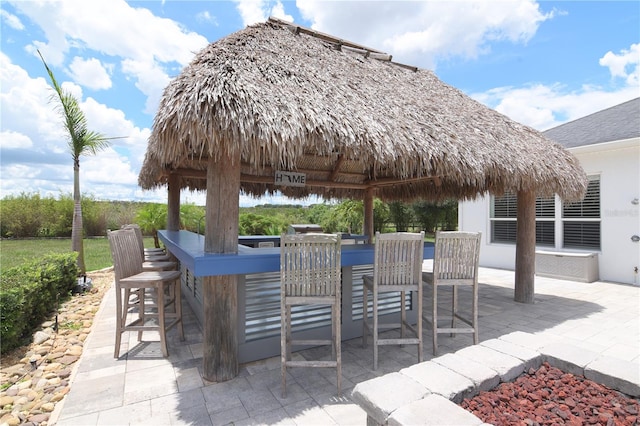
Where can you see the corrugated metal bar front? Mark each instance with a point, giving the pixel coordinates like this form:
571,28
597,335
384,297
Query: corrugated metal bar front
262,309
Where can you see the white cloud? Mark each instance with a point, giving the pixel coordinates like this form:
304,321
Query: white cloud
155,44
625,65
35,155
254,11
108,168
207,18
12,20
278,12
90,73
152,85
545,106
25,104
10,139
422,32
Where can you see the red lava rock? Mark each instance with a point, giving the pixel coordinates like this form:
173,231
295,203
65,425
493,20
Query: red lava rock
535,397
564,415
549,396
569,402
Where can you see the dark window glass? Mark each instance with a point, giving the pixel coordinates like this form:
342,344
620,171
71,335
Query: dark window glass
545,233
582,235
546,207
503,231
505,207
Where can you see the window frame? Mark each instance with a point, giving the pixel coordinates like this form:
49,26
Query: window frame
590,218
552,210
545,215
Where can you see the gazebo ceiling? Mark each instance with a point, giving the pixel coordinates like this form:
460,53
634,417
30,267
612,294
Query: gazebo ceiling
289,99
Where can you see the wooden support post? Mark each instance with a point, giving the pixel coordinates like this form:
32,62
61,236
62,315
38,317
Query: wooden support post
220,293
220,328
368,214
525,248
173,203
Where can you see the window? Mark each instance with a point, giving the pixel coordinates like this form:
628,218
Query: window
503,219
581,220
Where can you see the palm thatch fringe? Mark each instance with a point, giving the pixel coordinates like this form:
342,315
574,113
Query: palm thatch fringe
349,118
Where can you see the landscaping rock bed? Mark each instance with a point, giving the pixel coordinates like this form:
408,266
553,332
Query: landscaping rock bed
36,377
550,396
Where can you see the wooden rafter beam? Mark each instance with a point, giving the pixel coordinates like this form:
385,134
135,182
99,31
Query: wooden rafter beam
201,174
336,168
320,183
396,181
246,178
332,174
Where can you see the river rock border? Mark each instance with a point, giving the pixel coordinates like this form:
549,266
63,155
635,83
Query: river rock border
428,393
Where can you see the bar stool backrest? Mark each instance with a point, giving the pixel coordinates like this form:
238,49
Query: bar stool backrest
125,252
398,258
310,265
456,257
138,234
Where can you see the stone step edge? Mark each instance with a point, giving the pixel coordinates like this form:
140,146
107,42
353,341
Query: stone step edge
436,386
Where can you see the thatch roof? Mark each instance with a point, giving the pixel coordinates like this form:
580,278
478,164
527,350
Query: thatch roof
291,99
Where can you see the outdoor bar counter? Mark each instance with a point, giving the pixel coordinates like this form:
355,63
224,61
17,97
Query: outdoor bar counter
258,271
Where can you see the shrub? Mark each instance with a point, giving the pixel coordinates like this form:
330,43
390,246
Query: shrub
28,294
255,224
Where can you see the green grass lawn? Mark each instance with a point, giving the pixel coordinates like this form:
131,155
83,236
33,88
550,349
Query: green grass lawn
96,251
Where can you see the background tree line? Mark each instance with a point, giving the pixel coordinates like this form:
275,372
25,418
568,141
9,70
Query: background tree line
30,215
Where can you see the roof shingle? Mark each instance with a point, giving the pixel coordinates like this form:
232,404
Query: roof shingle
612,124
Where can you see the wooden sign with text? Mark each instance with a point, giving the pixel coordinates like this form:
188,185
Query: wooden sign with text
290,178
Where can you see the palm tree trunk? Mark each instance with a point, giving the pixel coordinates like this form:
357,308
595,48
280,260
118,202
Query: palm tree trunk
76,225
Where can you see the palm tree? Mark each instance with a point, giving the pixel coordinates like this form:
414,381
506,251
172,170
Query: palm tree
151,218
81,141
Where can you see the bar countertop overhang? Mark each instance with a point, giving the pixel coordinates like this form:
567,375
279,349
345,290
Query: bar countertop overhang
188,247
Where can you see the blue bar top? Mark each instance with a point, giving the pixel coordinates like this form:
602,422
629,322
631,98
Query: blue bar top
188,247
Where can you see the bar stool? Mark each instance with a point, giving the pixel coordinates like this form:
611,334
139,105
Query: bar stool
149,254
455,264
397,268
310,275
155,259
130,277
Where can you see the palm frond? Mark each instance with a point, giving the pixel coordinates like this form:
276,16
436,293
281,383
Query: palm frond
80,140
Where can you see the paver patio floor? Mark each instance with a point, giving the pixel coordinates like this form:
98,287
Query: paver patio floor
142,387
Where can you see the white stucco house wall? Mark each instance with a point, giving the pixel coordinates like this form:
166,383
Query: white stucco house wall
606,224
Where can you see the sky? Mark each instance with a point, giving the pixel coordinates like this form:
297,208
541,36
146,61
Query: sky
542,63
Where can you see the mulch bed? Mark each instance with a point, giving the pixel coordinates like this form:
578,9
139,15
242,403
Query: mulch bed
549,396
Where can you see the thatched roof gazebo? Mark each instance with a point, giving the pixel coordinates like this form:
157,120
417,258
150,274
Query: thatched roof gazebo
277,101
